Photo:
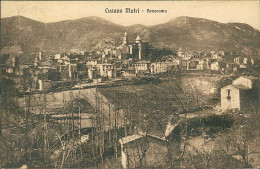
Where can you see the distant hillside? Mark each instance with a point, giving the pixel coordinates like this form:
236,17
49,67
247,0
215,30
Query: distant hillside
182,33
189,33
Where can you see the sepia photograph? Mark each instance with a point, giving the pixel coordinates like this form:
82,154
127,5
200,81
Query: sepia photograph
130,84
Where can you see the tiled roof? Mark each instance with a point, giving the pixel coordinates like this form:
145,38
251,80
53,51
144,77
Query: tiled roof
131,138
134,137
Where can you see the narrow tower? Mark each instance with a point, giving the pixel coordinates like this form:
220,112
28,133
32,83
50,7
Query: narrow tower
138,40
40,55
125,39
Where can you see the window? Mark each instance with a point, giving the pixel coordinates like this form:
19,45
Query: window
228,94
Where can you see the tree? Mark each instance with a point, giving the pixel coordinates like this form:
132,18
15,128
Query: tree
241,140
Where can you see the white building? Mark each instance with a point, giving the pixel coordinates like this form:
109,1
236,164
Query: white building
128,73
142,66
92,62
217,66
161,67
241,95
104,68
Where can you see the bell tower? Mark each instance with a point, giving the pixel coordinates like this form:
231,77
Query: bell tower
138,40
125,39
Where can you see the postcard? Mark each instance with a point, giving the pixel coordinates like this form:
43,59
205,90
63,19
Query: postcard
130,84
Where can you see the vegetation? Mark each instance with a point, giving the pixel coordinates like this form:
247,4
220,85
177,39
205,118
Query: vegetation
39,141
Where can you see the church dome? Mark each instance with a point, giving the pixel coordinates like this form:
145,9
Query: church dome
138,38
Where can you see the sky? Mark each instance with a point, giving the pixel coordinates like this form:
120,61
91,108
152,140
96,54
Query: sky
53,11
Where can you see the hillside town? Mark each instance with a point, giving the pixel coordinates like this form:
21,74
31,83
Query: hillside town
134,58
131,106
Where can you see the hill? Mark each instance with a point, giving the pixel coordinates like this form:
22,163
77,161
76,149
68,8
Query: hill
185,33
189,33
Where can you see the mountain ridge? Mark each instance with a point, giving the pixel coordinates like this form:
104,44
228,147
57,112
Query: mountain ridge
184,32
89,17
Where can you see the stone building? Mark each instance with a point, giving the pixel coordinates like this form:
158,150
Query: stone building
161,67
128,72
143,151
217,66
136,50
105,69
142,66
242,95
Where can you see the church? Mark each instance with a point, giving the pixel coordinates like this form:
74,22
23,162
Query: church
137,50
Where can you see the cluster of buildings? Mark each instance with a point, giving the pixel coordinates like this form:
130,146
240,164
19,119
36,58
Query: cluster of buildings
216,62
130,59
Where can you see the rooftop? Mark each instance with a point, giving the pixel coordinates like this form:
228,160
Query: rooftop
134,137
237,86
129,139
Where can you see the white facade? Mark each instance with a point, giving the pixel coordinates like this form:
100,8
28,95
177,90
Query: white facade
91,73
236,96
40,85
161,67
141,66
111,73
104,68
57,56
214,66
230,98
128,73
92,62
